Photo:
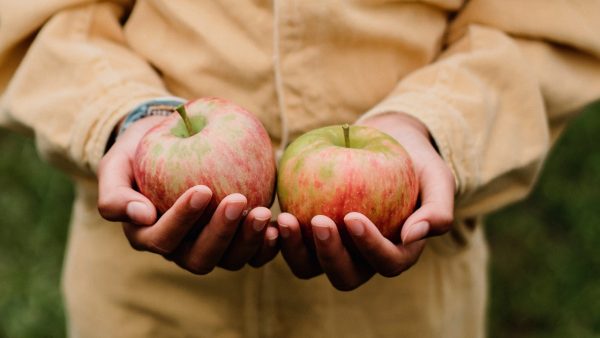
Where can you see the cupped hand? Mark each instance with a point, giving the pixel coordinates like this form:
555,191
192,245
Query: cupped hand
188,234
347,270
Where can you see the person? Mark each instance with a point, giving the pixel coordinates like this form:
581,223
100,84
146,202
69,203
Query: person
476,92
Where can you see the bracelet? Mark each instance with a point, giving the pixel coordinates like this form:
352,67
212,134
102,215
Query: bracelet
156,107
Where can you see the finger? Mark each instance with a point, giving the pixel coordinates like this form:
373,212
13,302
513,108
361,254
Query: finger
343,273
215,238
384,256
117,200
248,240
268,249
436,213
300,259
166,235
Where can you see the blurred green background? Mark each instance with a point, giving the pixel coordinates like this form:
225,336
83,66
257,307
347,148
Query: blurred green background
545,262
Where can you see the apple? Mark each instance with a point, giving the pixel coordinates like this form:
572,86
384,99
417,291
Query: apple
212,142
335,170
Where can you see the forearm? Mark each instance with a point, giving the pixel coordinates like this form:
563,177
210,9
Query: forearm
495,99
77,79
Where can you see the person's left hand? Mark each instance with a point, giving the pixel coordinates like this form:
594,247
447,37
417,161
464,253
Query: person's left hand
434,216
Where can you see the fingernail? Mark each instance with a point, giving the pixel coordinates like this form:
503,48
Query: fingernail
321,232
417,231
272,241
355,226
234,210
259,224
284,230
198,200
136,209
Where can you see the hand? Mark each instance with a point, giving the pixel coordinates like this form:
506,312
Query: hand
377,254
188,233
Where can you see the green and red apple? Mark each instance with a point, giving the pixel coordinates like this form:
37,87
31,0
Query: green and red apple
212,142
336,170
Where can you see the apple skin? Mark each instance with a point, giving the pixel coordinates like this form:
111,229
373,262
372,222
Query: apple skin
232,153
318,175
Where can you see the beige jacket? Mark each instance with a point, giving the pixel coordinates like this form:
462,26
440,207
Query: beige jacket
495,81
494,85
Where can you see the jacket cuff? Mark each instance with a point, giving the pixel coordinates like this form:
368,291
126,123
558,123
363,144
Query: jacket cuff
99,117
445,125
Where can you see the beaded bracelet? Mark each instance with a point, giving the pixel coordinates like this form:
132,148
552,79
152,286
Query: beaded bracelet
155,107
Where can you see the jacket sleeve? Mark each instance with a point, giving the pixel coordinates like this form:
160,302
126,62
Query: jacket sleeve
513,73
67,76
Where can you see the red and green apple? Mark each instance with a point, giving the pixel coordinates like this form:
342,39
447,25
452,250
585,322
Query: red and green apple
336,170
211,142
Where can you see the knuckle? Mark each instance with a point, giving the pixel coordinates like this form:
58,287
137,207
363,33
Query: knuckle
258,262
262,258
223,236
170,257
395,270
305,274
198,265
105,205
160,246
108,207
447,218
444,222
399,267
199,269
345,286
232,266
442,229
327,258
369,248
136,245
411,262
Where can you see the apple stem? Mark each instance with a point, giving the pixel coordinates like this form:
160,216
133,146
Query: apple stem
346,128
186,120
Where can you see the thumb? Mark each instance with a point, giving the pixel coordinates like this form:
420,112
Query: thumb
117,200
436,213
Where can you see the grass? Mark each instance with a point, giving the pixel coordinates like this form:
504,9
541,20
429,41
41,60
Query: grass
545,259
545,266
36,201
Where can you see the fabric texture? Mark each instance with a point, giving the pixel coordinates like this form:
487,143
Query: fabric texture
495,82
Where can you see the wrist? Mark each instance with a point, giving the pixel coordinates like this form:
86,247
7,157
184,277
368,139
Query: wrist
407,130
155,107
393,122
162,106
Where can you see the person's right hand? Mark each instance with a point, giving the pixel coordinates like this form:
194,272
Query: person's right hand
228,238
